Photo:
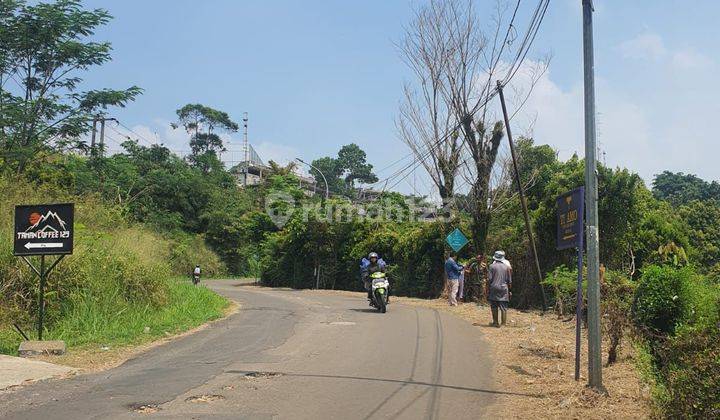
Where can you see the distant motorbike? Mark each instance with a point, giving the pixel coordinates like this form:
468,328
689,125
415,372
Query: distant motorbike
380,290
196,279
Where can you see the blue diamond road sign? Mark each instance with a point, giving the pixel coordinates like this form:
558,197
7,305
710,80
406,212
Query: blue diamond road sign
456,240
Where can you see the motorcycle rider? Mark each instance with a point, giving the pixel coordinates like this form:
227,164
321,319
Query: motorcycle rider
196,273
372,264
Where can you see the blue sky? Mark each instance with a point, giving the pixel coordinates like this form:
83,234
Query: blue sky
315,75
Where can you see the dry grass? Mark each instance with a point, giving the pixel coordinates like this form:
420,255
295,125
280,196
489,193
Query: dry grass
535,355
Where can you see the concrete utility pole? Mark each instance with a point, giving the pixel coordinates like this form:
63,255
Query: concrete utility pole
101,120
591,206
521,192
94,132
245,148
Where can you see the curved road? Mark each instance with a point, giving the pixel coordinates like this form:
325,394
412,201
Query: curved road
288,355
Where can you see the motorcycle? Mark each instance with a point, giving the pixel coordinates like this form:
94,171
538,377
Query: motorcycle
380,291
196,279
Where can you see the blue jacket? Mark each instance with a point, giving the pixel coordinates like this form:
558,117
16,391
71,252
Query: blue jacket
453,269
365,264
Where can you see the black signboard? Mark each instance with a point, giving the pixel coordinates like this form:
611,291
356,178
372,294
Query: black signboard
570,219
44,229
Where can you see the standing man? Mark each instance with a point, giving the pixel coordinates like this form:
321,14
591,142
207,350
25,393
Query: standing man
498,285
453,270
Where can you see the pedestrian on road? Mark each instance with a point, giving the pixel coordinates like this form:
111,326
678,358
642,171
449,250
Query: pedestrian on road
498,285
453,270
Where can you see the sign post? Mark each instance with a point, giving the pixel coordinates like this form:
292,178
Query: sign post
456,240
570,213
41,230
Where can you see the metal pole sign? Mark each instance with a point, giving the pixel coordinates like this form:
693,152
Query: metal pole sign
43,229
571,211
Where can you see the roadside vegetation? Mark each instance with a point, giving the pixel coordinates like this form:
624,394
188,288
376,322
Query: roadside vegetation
145,215
121,286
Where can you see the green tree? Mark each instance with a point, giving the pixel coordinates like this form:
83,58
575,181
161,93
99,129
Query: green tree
43,51
342,172
203,124
353,160
679,188
703,219
277,169
332,170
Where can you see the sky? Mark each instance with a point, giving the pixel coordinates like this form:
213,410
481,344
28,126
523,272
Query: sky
316,75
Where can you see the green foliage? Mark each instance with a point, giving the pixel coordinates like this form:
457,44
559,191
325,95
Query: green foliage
206,144
661,302
616,293
679,317
691,384
679,188
342,172
563,282
119,272
703,219
353,161
43,48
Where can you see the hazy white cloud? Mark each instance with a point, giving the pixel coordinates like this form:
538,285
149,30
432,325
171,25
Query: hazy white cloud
651,46
279,153
555,116
647,45
690,60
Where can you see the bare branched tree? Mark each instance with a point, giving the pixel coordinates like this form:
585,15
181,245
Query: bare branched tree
425,122
446,120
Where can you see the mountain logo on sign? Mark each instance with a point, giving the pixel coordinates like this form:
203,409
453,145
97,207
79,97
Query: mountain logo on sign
50,221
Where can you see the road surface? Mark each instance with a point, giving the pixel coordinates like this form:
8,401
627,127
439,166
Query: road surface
287,355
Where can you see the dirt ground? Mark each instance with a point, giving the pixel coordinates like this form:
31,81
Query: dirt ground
536,357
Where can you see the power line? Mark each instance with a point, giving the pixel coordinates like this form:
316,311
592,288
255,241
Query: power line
136,133
525,46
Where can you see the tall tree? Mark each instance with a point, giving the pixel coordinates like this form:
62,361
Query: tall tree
44,48
353,160
341,172
203,124
425,122
449,123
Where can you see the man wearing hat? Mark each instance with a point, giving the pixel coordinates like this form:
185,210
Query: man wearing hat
498,285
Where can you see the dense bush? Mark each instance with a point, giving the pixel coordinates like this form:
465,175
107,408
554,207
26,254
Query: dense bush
678,314
616,291
414,252
117,268
563,283
662,301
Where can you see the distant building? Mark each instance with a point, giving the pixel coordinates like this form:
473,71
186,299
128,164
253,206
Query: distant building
257,171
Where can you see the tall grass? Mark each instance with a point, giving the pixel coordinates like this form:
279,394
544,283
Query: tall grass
120,279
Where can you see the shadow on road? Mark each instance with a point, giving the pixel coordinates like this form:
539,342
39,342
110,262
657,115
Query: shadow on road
365,310
397,381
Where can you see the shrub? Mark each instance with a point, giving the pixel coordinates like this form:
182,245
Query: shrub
691,361
677,313
563,281
661,301
617,296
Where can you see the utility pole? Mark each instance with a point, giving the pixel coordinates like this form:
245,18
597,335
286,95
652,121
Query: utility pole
521,192
94,131
98,119
591,206
102,136
245,148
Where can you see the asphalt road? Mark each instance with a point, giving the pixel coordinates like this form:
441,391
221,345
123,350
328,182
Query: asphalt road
288,355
